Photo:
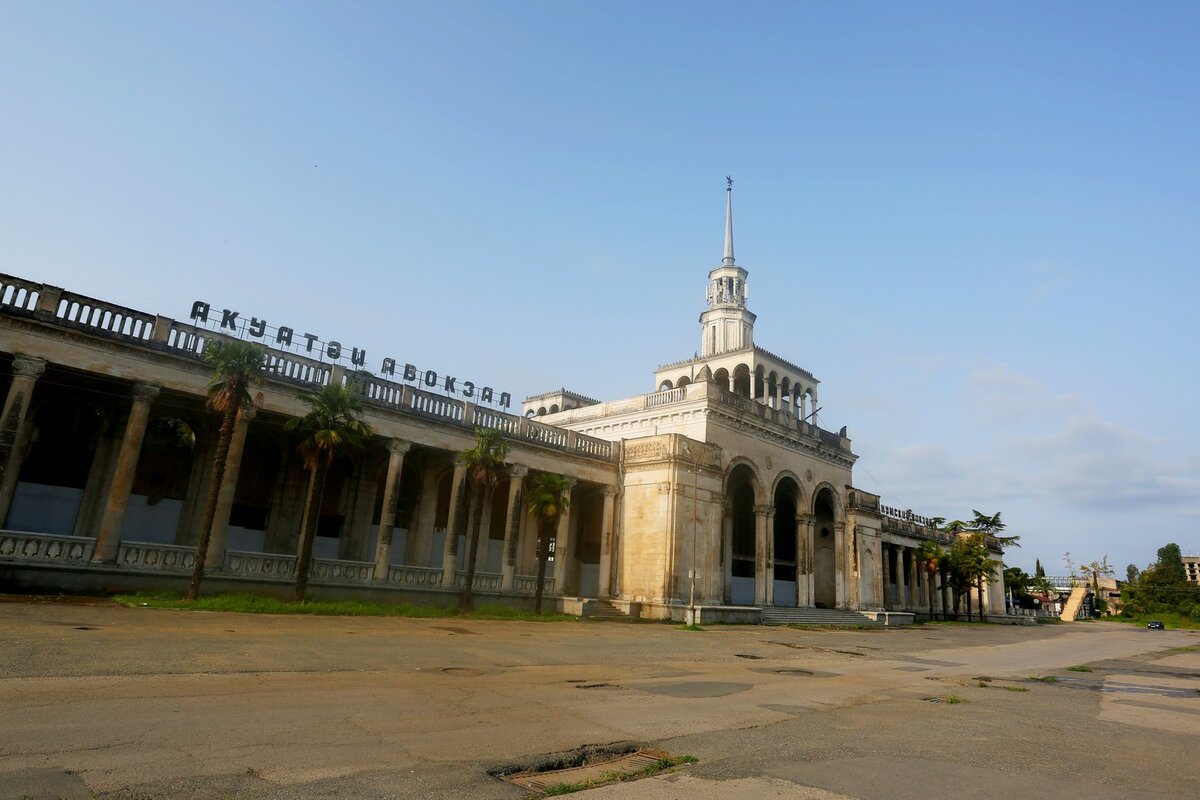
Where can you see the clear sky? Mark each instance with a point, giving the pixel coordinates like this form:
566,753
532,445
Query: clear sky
976,223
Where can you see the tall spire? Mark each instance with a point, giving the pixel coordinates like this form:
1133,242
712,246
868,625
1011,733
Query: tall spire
728,259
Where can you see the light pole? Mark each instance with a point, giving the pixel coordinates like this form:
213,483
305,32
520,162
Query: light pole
695,524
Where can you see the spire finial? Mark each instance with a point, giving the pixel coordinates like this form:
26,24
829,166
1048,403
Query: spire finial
728,259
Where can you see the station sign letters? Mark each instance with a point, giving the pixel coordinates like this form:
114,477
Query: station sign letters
312,346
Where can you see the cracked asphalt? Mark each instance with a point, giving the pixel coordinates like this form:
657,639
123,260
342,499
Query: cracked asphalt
101,701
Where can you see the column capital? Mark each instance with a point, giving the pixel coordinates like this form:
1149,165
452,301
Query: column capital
763,510
608,491
145,392
517,471
571,481
399,447
248,413
28,366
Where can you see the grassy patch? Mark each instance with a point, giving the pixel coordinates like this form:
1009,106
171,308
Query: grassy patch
1080,668
691,627
1043,678
1017,688
255,604
1166,618
953,699
662,765
1049,621
1191,648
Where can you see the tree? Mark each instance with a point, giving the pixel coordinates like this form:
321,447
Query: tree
549,495
1170,563
929,557
989,525
1131,573
1038,571
331,425
483,463
1095,569
236,367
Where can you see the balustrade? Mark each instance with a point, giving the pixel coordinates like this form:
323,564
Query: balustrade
86,312
328,570
156,557
259,565
18,293
414,577
18,546
665,397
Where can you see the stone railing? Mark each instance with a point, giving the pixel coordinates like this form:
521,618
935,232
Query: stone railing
154,557
21,297
259,565
45,547
414,577
665,397
80,311
18,294
76,551
527,584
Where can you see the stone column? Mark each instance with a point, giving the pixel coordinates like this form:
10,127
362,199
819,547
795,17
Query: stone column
841,572
770,523
901,580
563,561
450,550
99,476
727,554
761,577
108,537
219,532
606,541
387,516
512,526
420,534
14,425
801,562
914,596
885,563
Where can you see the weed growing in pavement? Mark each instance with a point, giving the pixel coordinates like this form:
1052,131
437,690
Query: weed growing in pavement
1017,688
662,765
953,699
1080,668
1043,678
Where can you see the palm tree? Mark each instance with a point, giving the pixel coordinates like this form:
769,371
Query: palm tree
236,367
989,526
549,495
331,425
929,557
483,463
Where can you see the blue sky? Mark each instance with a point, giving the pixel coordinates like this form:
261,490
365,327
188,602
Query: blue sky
975,223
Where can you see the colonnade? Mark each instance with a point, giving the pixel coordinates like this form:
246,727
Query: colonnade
114,466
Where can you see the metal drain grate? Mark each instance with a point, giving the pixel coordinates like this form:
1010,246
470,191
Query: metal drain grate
540,781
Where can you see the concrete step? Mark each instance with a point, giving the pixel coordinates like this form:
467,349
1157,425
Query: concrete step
814,616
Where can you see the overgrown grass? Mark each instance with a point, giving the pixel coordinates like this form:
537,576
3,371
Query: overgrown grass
1017,688
662,765
256,604
1043,678
953,699
1049,621
1171,620
691,627
1191,648
1080,668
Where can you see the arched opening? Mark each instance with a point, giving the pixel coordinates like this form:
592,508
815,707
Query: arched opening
785,551
760,384
824,549
529,414
721,378
810,400
742,545
682,382
785,396
741,380
554,408
665,386
773,390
